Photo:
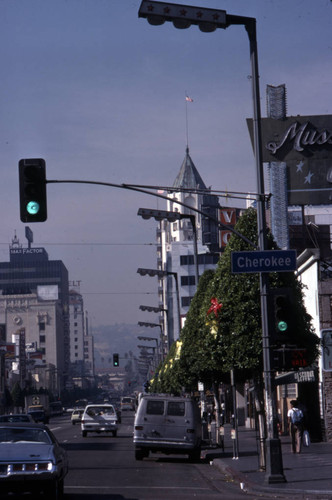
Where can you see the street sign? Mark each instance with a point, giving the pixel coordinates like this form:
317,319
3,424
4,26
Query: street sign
266,261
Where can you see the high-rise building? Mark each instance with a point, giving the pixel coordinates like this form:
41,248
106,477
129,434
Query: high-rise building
34,315
176,245
81,343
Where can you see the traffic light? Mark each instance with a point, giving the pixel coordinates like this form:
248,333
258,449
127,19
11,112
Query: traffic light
285,359
281,317
32,180
115,360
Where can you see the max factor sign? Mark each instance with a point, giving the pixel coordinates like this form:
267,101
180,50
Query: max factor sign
296,137
27,251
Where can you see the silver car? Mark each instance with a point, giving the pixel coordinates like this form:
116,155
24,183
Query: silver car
99,418
31,460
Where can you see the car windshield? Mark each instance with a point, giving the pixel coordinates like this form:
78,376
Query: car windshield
100,410
15,418
24,435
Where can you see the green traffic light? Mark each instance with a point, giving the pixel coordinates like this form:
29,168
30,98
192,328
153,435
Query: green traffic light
33,207
282,326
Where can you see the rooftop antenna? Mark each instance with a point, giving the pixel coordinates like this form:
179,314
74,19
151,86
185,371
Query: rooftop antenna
188,99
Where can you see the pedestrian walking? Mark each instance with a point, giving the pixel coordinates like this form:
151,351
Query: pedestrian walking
295,423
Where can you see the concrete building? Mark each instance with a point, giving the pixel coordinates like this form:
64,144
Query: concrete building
34,316
81,343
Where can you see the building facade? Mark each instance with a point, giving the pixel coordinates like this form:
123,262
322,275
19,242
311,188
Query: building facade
34,317
81,343
188,246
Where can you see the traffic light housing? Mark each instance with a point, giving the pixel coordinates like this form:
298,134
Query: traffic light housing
281,317
115,360
32,180
286,359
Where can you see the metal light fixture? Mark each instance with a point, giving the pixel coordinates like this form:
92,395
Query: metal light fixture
159,215
206,19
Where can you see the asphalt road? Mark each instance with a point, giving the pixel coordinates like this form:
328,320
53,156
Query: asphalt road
103,467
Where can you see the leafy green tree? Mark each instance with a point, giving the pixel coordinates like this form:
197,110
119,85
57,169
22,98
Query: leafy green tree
240,332
230,337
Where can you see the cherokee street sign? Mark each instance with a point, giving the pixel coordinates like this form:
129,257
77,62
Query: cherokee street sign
266,261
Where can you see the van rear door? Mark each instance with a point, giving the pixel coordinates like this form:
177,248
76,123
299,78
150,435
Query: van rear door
177,421
154,419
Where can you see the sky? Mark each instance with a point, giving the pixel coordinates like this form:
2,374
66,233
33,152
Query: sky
100,95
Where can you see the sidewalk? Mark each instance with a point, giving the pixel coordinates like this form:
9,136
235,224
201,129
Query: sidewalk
308,474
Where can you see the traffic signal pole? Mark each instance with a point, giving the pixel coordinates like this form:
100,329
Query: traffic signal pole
274,466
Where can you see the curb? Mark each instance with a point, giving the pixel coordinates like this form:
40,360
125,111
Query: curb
250,487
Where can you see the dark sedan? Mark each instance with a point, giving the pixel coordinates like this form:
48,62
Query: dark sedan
16,417
31,460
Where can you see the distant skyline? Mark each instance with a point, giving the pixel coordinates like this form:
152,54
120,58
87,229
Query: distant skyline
100,95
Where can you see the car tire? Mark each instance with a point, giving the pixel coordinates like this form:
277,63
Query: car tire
195,455
73,423
56,490
84,434
140,454
114,433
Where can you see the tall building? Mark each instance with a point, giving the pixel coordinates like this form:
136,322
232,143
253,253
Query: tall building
176,242
34,315
81,343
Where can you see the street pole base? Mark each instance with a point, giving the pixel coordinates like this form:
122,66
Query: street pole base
274,467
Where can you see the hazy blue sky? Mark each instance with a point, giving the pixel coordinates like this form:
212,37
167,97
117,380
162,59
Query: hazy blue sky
100,95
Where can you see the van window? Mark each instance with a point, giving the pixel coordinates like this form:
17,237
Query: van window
155,407
176,408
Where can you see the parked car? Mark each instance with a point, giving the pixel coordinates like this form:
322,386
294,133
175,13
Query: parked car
76,416
39,416
31,460
16,417
167,424
99,418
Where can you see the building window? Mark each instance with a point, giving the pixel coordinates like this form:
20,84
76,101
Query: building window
42,327
186,260
42,339
185,301
188,280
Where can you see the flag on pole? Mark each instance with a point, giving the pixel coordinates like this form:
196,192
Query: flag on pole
189,99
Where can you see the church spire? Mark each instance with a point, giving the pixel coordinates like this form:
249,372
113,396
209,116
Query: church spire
188,177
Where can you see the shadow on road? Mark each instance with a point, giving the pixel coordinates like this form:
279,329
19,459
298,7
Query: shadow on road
97,496
88,446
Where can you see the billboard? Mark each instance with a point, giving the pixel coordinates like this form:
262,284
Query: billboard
304,143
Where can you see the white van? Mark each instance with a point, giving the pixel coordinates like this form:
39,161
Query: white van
167,424
99,418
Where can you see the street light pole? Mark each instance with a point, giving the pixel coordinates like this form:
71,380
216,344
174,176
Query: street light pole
161,274
147,213
208,20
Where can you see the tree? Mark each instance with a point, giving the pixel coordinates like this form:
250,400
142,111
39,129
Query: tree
232,340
